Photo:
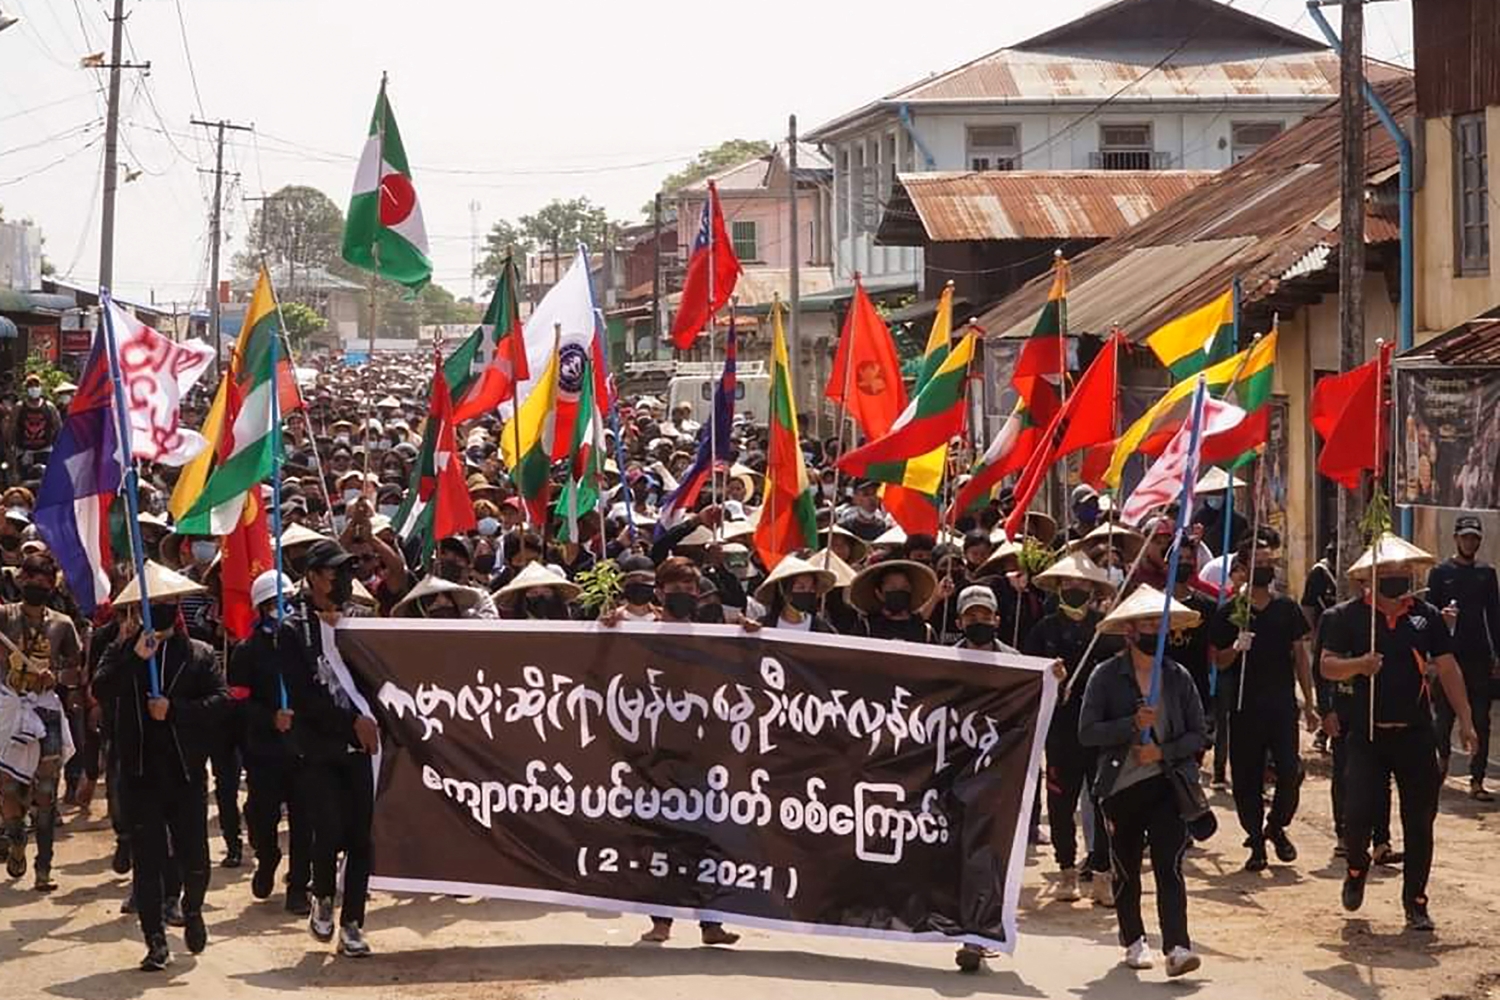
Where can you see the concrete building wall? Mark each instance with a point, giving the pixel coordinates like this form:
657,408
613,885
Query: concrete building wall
1444,297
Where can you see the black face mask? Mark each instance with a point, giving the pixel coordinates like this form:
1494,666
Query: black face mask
10,542
805,601
1263,575
36,594
297,566
1186,572
163,617
442,611
484,565
1394,587
979,633
896,601
681,607
343,588
538,607
451,571
1146,643
639,593
710,614
1076,598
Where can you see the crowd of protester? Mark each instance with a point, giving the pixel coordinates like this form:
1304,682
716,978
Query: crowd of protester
276,715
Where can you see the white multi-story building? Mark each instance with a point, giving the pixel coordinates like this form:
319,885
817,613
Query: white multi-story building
1133,85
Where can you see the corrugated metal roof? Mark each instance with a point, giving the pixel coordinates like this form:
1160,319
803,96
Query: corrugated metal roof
1277,206
1472,344
1028,204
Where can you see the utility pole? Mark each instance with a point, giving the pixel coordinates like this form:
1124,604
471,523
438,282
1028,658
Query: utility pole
1351,241
794,348
112,145
474,208
656,276
216,236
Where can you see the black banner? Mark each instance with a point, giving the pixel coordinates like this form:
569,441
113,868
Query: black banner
780,779
1448,438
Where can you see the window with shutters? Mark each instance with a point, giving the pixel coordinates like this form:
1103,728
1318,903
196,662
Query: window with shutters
1126,147
1471,208
1246,137
994,147
742,235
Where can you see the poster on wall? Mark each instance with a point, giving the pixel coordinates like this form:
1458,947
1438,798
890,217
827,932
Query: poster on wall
43,343
1448,438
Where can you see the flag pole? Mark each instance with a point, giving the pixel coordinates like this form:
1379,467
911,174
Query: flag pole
276,459
132,477
515,398
1379,527
380,114
1059,267
1256,501
945,487
844,420
769,501
1213,667
1189,480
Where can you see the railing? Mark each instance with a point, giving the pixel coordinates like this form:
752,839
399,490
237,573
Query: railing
1129,159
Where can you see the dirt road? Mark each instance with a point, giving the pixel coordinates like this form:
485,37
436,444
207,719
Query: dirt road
1280,934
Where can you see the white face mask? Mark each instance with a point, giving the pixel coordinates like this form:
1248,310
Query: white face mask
203,552
350,496
389,510
34,391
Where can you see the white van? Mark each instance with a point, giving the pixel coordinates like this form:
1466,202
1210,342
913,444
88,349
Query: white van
695,381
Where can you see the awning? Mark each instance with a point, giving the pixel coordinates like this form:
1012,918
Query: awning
1475,344
875,287
37,303
8,329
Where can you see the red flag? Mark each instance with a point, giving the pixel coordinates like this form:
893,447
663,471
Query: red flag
1343,408
1044,353
1086,419
247,549
875,393
500,333
712,271
453,513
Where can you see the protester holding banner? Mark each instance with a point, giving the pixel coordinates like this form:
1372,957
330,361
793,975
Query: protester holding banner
167,698
792,593
1147,753
890,594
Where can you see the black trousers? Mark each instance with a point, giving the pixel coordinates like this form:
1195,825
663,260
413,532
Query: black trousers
1225,697
1258,733
168,819
1410,755
340,797
1149,808
1477,684
1070,774
225,761
272,787
1380,829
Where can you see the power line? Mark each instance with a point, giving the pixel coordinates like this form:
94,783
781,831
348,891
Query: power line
187,50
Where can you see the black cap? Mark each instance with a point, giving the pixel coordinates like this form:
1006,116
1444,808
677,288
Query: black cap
327,554
636,564
457,545
1468,524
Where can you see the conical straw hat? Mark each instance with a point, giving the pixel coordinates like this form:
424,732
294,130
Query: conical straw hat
843,573
160,583
862,590
1126,539
791,566
1216,480
1075,567
465,597
535,574
1144,605
1395,553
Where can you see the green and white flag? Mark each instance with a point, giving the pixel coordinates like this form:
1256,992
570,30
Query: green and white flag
580,492
384,231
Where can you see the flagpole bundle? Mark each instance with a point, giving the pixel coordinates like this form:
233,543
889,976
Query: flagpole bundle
845,420
132,477
1255,499
1378,526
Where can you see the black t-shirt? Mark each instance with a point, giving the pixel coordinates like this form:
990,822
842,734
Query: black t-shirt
1476,637
1270,673
1403,694
1189,646
1321,590
1058,637
911,629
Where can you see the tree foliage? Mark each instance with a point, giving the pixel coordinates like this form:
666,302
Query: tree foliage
302,322
298,228
726,154
564,223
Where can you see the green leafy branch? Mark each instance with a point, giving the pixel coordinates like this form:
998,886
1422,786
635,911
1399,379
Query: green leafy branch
600,586
1035,557
1377,517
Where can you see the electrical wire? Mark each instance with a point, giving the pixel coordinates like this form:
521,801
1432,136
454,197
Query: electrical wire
187,51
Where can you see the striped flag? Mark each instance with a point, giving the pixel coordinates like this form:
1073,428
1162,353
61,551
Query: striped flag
913,502
1199,340
526,442
713,443
1164,480
789,516
384,231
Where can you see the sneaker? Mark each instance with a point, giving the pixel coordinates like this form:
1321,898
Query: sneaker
1104,890
352,941
1478,793
171,913
713,934
44,882
1181,961
263,882
195,934
320,922
1138,955
298,903
120,863
1086,877
1286,851
1353,896
1257,860
1417,918
1385,856
1219,784
158,955
1067,886
970,958
15,859
234,855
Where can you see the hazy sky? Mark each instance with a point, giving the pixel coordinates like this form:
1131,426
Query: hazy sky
504,104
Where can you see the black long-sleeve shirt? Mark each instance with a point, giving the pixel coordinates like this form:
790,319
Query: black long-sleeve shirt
1474,587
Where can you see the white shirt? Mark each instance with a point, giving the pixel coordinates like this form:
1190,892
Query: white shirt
805,625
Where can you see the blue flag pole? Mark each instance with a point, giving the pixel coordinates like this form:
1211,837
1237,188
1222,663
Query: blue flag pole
132,476
1228,536
1189,478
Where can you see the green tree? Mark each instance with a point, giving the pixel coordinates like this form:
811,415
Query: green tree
721,157
296,228
564,223
503,238
302,322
